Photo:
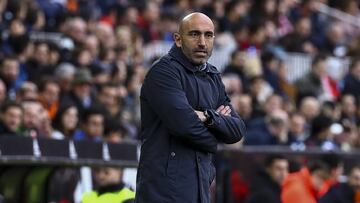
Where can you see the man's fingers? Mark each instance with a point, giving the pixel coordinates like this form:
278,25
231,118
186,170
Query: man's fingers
220,108
224,110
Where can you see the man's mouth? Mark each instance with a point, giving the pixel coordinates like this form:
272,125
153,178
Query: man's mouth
200,53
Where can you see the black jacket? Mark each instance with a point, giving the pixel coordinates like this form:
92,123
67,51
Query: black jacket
176,153
264,190
340,193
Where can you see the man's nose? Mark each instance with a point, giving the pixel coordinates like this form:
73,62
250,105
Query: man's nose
201,41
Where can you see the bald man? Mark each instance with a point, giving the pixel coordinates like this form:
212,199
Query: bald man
185,115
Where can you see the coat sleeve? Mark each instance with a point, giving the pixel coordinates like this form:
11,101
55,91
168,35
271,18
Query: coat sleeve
228,129
163,91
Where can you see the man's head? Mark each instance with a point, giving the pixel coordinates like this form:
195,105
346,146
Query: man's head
9,68
108,95
11,116
196,37
310,108
320,172
354,178
50,90
107,176
93,122
319,64
33,112
277,167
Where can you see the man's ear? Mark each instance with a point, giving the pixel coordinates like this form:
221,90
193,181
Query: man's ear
177,39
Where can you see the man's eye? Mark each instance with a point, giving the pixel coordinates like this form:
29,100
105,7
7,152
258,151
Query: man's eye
194,34
209,35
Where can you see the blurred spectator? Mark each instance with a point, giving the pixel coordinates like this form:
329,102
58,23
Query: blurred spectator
3,94
147,22
352,79
232,84
336,165
82,57
11,118
108,96
92,44
262,10
317,82
272,103
33,115
297,129
299,40
348,109
9,72
114,132
344,192
320,135
303,186
66,122
287,88
49,96
76,29
106,36
243,106
109,188
257,37
273,130
266,184
270,67
39,64
80,94
334,42
259,90
92,125
27,91
309,108
236,66
331,109
235,11
64,74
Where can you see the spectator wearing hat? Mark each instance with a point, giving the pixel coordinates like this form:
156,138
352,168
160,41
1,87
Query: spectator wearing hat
81,94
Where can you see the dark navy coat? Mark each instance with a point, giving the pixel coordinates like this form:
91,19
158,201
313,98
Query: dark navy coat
176,154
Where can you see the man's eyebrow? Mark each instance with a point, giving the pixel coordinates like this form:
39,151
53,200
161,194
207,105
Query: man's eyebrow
190,31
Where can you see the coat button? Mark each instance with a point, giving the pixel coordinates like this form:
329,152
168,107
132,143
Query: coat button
172,154
199,159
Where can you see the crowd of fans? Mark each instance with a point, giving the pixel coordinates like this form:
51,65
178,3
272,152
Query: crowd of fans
73,69
85,82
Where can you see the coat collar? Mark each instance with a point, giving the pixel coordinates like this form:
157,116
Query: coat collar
177,54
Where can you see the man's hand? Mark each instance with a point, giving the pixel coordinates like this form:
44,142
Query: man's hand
224,110
201,115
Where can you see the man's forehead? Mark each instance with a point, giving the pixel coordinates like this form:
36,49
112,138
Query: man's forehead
197,21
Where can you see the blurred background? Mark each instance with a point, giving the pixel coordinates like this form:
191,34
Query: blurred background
71,70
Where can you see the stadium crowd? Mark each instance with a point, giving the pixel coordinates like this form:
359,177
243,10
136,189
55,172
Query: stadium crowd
73,69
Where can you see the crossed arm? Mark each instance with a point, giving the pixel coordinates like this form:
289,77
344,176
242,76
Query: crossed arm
163,92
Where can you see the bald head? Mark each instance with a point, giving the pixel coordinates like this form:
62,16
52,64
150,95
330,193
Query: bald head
196,37
190,18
